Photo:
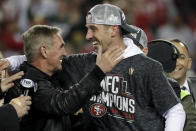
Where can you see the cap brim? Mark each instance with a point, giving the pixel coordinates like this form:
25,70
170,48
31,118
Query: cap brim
162,52
126,29
135,41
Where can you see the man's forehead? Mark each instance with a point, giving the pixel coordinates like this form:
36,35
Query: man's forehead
95,26
57,37
92,25
180,46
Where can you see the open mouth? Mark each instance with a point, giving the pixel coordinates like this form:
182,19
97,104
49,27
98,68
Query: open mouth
95,43
178,69
61,59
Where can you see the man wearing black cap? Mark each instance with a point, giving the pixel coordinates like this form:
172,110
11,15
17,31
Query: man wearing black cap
187,85
182,66
167,54
136,94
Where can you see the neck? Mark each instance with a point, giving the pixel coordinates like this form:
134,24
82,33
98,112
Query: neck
42,65
181,81
118,42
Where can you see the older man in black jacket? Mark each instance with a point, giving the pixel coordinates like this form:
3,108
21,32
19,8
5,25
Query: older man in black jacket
51,104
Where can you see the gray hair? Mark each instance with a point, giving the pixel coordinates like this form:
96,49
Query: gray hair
37,36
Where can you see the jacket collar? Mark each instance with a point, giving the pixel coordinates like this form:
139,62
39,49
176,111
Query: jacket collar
131,49
33,73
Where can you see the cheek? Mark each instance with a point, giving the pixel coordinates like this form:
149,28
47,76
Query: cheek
185,63
181,62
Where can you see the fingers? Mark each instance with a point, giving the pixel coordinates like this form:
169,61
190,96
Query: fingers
109,50
16,101
28,103
25,98
21,104
8,85
28,108
118,60
99,50
109,59
4,64
3,74
16,76
116,53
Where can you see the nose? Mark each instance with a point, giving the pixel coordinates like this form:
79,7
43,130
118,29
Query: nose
64,53
89,35
177,61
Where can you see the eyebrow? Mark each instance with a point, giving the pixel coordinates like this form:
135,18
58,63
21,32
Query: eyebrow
91,27
183,55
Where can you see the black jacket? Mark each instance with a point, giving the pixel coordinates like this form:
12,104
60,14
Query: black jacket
8,118
51,104
176,87
1,93
192,85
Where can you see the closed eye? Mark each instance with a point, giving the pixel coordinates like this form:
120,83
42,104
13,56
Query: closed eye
62,45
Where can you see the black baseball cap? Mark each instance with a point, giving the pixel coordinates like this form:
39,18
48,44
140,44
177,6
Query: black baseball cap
164,52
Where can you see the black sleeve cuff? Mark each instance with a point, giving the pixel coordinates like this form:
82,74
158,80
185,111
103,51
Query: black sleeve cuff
9,119
98,73
92,81
1,93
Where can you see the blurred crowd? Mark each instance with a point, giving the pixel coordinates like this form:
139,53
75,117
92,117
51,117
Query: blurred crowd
164,19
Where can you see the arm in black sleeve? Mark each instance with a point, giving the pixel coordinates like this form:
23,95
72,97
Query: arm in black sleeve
8,118
1,93
52,101
80,62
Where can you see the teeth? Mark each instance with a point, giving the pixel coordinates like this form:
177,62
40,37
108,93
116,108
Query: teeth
94,42
177,69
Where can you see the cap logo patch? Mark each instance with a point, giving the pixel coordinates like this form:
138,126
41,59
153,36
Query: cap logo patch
89,17
134,34
98,110
113,19
131,70
123,16
27,83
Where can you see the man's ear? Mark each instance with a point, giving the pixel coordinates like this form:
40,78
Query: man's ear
189,63
115,30
44,51
145,50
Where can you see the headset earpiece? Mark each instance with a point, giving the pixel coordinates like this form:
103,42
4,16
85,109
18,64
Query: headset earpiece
176,52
